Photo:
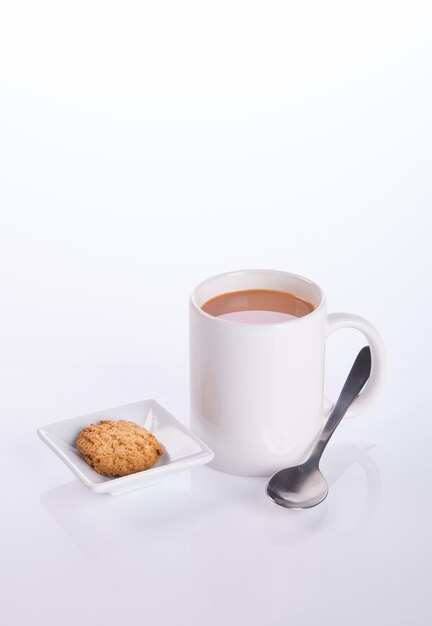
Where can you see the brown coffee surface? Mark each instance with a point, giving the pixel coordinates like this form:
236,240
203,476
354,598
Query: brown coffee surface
258,306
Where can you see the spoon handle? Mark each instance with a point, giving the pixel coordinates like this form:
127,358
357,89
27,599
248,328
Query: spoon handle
355,382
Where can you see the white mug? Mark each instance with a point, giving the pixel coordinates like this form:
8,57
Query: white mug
257,389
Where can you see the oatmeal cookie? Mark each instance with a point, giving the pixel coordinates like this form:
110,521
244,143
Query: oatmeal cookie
118,448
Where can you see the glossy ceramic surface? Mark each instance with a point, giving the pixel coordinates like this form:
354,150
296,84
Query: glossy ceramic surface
182,449
257,394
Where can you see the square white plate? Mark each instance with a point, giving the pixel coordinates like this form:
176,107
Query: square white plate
182,449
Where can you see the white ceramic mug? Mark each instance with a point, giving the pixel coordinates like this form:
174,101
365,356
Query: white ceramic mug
257,389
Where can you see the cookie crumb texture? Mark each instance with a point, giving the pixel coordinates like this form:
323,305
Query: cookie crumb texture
118,448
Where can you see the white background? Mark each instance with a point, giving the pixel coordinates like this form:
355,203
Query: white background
143,147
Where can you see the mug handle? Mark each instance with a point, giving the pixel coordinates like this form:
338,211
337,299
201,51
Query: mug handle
367,397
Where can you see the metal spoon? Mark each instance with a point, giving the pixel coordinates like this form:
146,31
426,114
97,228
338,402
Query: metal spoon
303,486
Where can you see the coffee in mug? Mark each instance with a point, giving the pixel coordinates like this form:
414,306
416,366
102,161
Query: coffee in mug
258,306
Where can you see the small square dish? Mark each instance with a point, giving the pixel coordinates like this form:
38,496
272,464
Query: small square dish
182,448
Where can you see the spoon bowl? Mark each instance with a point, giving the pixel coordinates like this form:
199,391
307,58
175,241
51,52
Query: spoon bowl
299,487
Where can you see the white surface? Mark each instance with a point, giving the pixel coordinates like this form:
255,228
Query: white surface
182,448
257,390
143,148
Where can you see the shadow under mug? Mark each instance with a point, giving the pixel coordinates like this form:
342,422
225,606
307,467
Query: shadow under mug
257,394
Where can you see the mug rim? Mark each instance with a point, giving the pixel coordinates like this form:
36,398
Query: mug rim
296,320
